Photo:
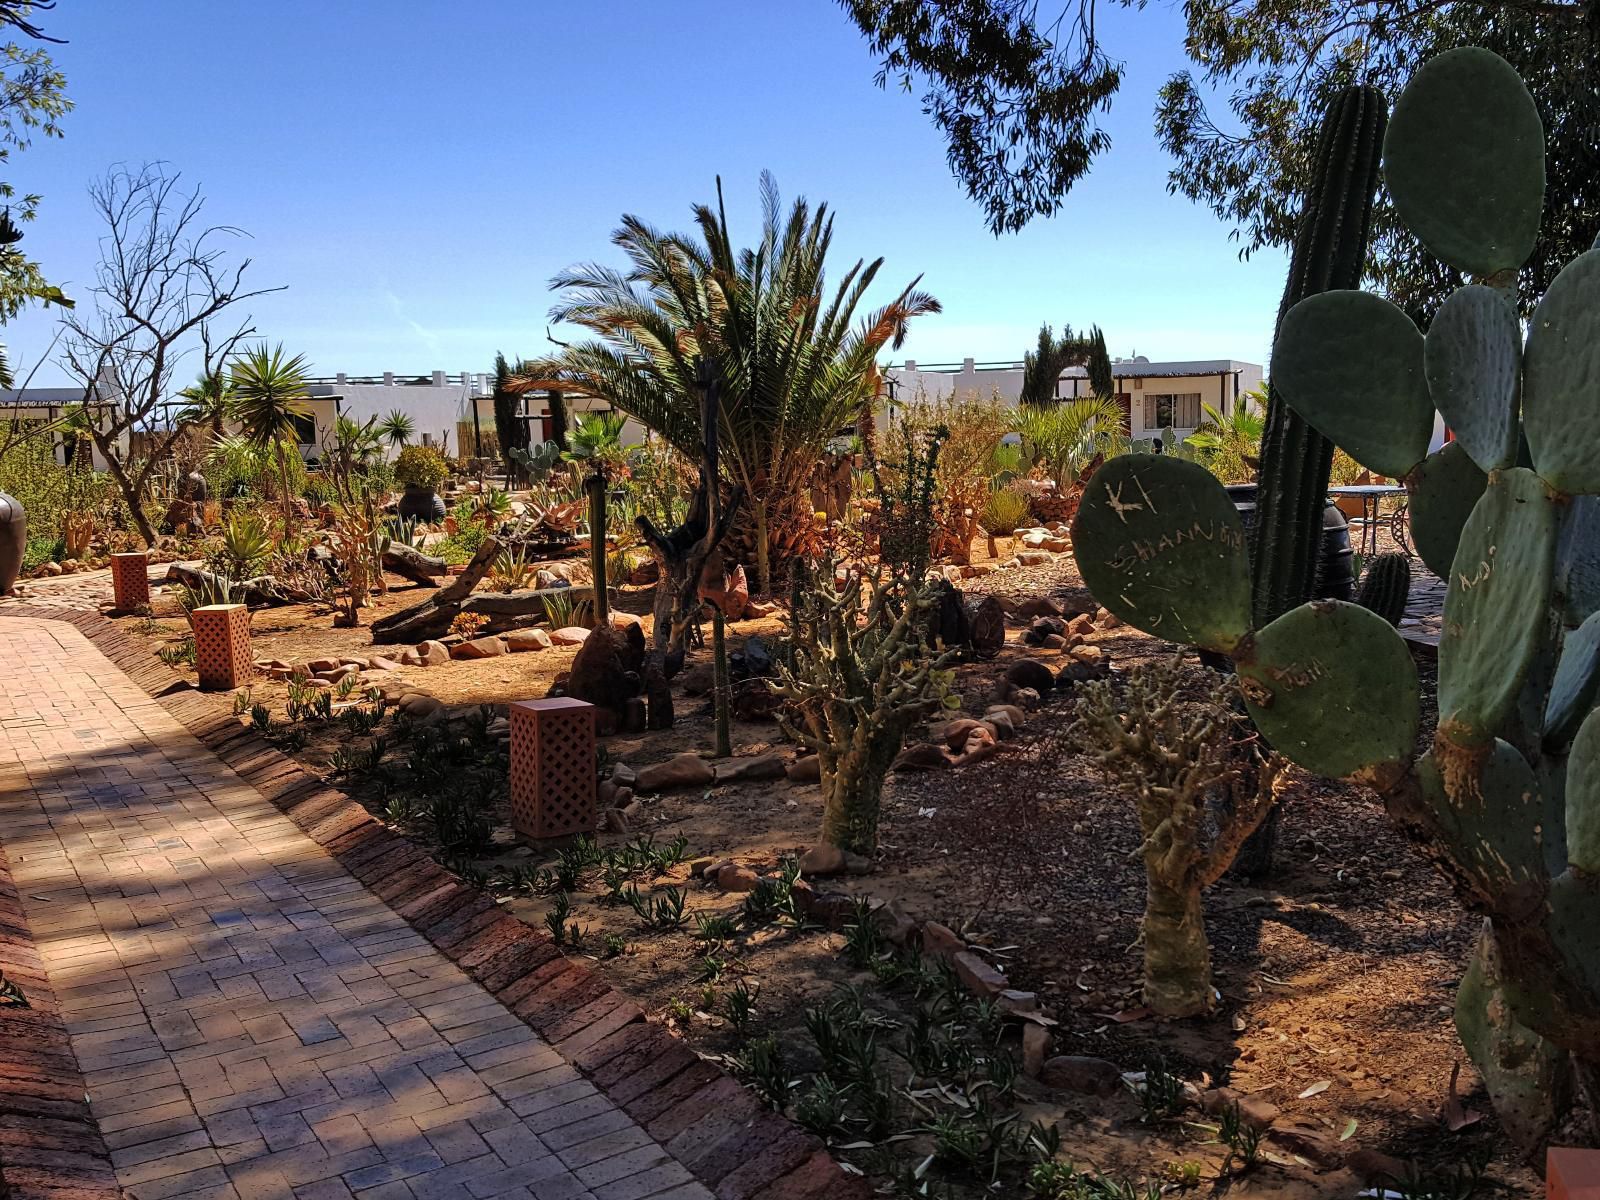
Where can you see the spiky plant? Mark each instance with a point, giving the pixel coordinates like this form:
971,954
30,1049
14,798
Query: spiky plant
794,363
397,429
269,391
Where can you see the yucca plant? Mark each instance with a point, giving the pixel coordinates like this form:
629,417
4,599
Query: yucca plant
269,396
397,429
793,364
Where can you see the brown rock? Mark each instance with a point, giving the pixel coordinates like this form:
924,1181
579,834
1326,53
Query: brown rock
379,663
410,658
1309,1143
1026,699
727,590
1028,673
761,766
697,866
418,706
433,653
571,635
681,770
940,941
1018,1003
1107,619
484,647
1035,1045
1013,711
600,672
613,820
998,722
1037,606
924,756
522,641
624,776
1080,1073
734,878
1258,1112
1376,1169
621,620
1053,641
981,978
806,769
321,666
822,859
954,733
1082,625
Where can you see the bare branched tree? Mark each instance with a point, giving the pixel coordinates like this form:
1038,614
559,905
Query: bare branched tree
163,293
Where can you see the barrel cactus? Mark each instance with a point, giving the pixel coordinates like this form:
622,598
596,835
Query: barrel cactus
1506,800
1386,585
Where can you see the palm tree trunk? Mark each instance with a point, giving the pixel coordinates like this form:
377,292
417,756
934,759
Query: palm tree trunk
763,551
283,482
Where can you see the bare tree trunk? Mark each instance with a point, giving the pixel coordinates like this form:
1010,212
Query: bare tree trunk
1177,958
131,489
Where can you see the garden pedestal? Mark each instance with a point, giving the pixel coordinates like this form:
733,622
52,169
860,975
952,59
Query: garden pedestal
1571,1174
552,767
130,580
221,646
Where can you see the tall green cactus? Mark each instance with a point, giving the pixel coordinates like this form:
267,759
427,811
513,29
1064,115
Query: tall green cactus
1386,586
1330,251
1506,801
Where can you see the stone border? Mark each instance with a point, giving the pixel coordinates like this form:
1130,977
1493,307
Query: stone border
50,1144
706,1120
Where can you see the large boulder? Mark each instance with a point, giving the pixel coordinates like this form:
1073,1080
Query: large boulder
601,674
681,770
520,641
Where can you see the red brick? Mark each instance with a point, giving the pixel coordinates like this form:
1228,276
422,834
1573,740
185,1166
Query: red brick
1572,1174
648,1105
817,1178
516,961
657,1074
758,1168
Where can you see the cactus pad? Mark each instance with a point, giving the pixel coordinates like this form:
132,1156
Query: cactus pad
1351,364
1583,797
1492,824
1495,610
1442,490
1333,687
1578,559
1464,161
1562,364
1160,544
1577,682
1473,355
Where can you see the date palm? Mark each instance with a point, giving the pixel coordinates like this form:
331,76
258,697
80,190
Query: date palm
794,364
208,401
269,392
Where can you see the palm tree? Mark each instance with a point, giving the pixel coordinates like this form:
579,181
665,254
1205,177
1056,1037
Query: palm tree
1230,443
397,428
270,395
792,364
208,401
1066,438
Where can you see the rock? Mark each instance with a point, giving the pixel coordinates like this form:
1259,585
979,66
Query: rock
822,859
433,653
1081,625
1013,712
857,864
1258,1112
734,878
924,756
1035,558
395,690
980,977
319,684
940,941
1089,656
623,798
1309,1143
699,680
1053,641
1083,1074
418,706
981,743
806,769
600,672
954,733
522,641
754,700
760,608
321,666
998,722
410,658
1376,1169
1029,673
568,572
1025,698
761,766
1035,1045
751,661
335,675
546,579
1017,1003
613,820
894,924
681,770
621,620
635,716
624,776
1107,619
379,663
50,568
484,647
697,867
605,794
571,635
727,590
1037,606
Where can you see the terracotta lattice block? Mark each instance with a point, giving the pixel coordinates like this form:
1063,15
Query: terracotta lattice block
1572,1174
552,767
130,580
221,645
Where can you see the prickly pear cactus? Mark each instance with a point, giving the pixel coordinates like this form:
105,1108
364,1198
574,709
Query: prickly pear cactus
1506,800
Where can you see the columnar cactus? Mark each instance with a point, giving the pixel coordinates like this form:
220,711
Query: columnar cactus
1386,586
1507,798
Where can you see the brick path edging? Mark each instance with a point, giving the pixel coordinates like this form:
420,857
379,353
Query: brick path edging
706,1120
50,1145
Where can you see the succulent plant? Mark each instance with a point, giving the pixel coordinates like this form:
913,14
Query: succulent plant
1506,801
1386,586
536,461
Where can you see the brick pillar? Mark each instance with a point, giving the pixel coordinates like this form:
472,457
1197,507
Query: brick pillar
221,646
130,580
552,767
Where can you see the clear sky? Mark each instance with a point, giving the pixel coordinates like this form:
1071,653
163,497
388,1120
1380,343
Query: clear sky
415,170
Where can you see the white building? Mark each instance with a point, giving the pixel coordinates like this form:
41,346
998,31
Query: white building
1153,395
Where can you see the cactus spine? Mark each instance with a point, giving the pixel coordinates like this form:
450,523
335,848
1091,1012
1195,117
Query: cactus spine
1386,586
1330,251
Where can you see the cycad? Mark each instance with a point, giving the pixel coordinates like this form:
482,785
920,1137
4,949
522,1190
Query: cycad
793,364
269,392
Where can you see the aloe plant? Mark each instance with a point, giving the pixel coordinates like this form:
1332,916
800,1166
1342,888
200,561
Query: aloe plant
1506,799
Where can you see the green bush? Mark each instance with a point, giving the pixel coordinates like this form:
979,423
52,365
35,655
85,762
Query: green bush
30,474
421,466
42,550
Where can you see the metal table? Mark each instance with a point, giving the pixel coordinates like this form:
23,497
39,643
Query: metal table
1370,494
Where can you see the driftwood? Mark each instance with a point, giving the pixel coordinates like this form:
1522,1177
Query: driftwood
504,610
262,591
414,565
442,606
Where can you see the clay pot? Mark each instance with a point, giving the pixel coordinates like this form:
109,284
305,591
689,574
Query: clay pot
420,504
13,541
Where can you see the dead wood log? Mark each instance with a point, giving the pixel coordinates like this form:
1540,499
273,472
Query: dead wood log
262,591
432,616
413,564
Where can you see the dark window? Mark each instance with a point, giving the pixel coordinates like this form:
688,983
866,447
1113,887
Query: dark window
305,430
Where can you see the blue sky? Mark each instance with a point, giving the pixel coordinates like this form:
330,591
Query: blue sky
415,170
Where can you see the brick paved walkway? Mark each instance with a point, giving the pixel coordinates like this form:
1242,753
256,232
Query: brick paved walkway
250,1020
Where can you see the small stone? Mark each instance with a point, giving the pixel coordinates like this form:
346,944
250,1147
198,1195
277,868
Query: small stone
1107,619
894,924
321,666
1017,1003
1258,1112
1035,558
621,620
857,864
940,941
1081,1073
433,653
571,635
980,977
1014,712
521,641
806,769
1081,625
1037,606
734,878
1053,641
484,647
613,820
1035,1046
681,770
998,721
697,867
410,658
822,859
624,776
759,608
924,756
1025,699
